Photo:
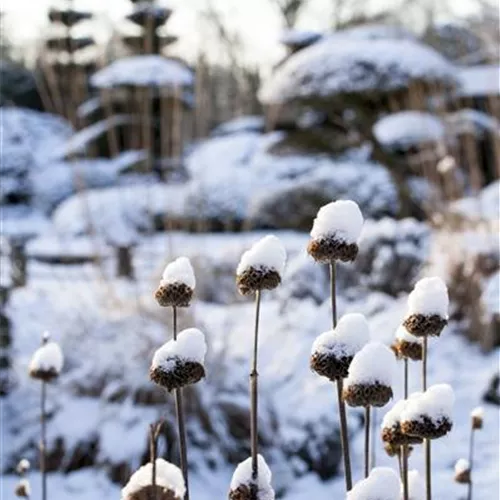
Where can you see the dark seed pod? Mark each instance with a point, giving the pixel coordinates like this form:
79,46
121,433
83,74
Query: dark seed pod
394,436
176,294
375,394
44,375
244,492
329,249
427,428
257,278
330,366
148,492
422,325
183,373
22,489
410,350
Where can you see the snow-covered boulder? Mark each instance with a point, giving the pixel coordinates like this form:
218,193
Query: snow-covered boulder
342,65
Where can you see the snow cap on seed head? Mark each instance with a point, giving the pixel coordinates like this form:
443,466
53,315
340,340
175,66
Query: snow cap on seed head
382,484
23,489
342,219
48,357
179,271
428,297
168,476
349,336
373,363
23,466
416,486
435,403
393,416
403,334
268,253
477,415
243,476
461,465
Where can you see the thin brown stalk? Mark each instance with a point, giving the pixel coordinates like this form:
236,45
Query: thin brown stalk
179,408
154,432
427,442
43,441
344,438
254,431
404,448
471,460
367,439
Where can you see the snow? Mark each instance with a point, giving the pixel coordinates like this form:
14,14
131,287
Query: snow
47,357
403,334
189,346
146,8
249,123
471,121
167,475
416,486
393,416
485,205
373,363
299,38
382,484
349,336
477,412
461,466
243,475
23,466
479,81
435,403
25,485
378,32
144,71
428,297
341,219
267,253
179,271
88,107
409,128
446,164
342,64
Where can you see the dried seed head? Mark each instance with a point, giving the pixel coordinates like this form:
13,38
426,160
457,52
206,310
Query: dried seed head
328,249
477,416
47,361
244,492
23,489
422,325
179,373
23,466
394,436
409,350
174,295
462,471
257,278
426,428
331,366
369,394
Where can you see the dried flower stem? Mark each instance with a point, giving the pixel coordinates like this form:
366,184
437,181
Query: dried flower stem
43,441
471,459
154,432
254,431
344,438
427,442
367,440
404,448
179,408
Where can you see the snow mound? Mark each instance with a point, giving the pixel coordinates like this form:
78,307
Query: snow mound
373,363
462,465
144,71
167,475
435,403
378,32
342,219
299,38
409,128
416,486
179,271
403,334
382,484
429,296
393,416
243,476
349,336
250,123
189,346
344,64
479,81
48,357
267,253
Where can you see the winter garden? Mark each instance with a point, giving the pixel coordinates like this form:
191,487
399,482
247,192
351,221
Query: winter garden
228,280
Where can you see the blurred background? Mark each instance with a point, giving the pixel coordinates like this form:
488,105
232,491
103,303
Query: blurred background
132,132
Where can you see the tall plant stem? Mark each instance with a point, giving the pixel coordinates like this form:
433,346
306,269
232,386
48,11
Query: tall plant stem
153,438
344,438
367,439
43,441
404,448
179,408
406,381
254,429
471,460
427,442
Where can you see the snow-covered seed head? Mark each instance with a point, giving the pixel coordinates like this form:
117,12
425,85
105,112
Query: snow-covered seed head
427,308
335,232
416,486
407,345
477,416
23,466
382,484
180,362
244,487
23,489
332,352
47,361
169,483
262,266
391,427
462,471
177,284
429,414
369,382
